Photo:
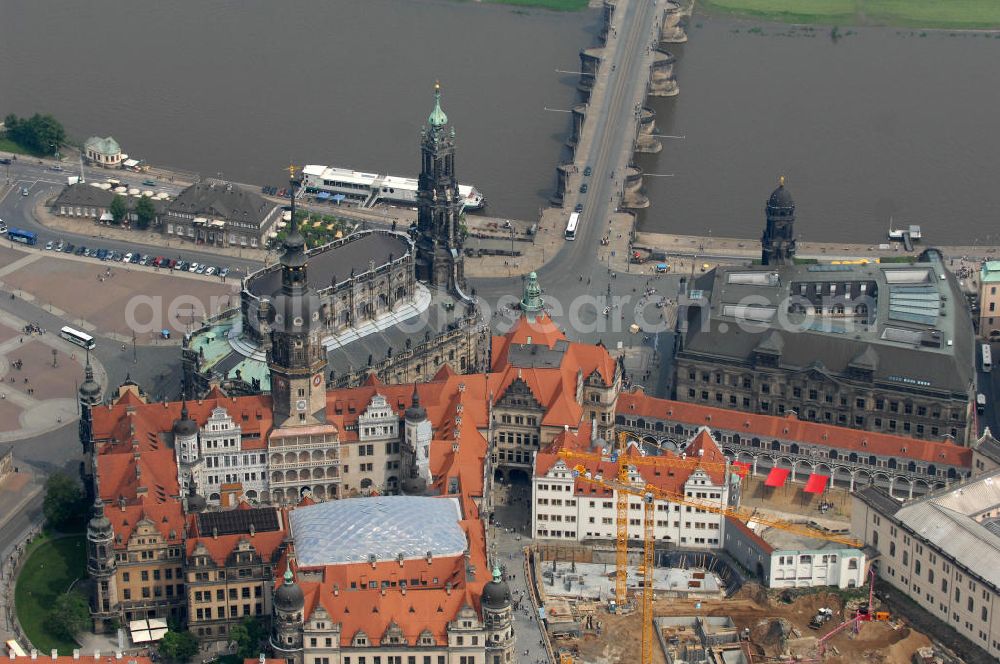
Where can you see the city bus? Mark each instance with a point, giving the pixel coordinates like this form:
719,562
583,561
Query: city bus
24,237
987,358
77,337
14,649
574,220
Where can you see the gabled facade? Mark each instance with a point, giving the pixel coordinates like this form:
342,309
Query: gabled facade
568,508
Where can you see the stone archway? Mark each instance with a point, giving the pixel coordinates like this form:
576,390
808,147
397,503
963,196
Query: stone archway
841,477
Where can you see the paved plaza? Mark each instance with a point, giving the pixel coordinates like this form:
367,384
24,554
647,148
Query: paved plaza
38,378
83,293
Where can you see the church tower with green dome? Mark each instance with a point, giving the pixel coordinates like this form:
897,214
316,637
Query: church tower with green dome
438,231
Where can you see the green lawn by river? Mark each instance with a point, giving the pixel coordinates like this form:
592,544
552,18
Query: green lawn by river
956,14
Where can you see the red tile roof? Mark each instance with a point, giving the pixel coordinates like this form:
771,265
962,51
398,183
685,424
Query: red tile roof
638,404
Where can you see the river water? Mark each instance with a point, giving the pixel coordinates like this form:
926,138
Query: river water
880,124
243,87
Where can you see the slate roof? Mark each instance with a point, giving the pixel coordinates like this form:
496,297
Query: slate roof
338,260
84,195
221,201
918,304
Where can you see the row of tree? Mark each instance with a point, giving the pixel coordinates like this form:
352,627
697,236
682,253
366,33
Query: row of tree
144,211
39,134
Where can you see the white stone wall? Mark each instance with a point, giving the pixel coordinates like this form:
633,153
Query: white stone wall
224,461
558,513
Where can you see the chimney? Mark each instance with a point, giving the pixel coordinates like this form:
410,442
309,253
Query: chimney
253,531
447,588
34,654
399,558
383,591
55,654
97,654
429,556
215,532
372,559
118,654
336,593
76,653
262,658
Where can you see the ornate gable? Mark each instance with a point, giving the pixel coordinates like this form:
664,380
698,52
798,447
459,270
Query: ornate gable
519,395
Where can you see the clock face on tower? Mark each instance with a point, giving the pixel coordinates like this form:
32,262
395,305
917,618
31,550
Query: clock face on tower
300,404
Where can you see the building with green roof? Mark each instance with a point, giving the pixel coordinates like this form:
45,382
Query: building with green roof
104,152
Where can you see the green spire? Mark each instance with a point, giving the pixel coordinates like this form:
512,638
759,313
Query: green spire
289,577
531,301
437,117
497,574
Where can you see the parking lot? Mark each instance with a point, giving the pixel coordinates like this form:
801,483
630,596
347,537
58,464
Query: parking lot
137,258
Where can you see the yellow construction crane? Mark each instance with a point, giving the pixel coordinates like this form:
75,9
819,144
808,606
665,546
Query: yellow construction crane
649,494
623,461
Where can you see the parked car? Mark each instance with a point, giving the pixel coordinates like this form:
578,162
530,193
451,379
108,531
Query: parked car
172,263
69,248
587,171
135,258
158,261
182,265
3,226
224,272
149,182
80,251
201,269
48,245
578,208
24,191
583,188
209,271
144,260
193,267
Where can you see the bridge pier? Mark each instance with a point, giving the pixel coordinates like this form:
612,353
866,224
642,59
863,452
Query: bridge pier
590,63
633,197
563,172
645,140
672,28
608,11
662,82
579,117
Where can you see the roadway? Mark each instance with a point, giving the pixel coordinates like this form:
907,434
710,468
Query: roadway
576,271
44,183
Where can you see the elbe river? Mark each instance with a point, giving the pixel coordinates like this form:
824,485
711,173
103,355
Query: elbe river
880,123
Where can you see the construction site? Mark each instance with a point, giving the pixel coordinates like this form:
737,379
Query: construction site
643,602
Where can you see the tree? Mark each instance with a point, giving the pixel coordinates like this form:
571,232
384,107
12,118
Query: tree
144,213
69,615
118,208
41,134
247,636
178,646
64,503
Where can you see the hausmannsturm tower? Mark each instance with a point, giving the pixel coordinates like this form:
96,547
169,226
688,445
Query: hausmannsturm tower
439,236
297,358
